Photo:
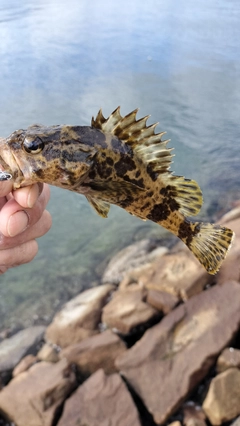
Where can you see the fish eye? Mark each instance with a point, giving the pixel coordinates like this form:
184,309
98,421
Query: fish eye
33,146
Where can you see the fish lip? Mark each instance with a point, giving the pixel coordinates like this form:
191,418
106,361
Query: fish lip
9,164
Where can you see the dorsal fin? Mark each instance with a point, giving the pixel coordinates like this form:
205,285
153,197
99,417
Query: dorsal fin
153,152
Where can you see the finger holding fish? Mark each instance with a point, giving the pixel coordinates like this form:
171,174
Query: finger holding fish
15,217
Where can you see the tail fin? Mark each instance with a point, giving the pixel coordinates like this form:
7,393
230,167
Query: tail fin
210,245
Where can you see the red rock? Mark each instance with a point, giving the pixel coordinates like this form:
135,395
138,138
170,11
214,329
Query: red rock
130,258
176,354
96,352
48,353
79,318
178,274
33,397
222,402
24,364
101,400
193,415
161,300
229,357
127,310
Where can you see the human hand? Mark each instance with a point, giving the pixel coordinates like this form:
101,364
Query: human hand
22,219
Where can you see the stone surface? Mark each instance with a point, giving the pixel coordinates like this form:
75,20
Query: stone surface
229,357
178,352
126,310
24,364
79,318
179,274
193,415
101,400
96,352
176,423
230,268
222,402
33,397
130,258
231,219
236,422
195,422
48,353
24,342
161,300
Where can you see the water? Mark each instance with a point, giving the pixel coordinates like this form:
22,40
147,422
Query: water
61,61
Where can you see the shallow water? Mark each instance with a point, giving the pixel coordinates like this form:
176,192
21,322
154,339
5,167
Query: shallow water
61,61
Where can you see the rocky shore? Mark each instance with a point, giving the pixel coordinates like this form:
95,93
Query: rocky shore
158,343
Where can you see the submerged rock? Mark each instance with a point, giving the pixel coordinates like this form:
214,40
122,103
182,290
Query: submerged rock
175,355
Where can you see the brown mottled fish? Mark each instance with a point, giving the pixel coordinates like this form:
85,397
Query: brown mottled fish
122,161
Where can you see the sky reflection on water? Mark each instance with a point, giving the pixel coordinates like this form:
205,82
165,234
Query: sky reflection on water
61,61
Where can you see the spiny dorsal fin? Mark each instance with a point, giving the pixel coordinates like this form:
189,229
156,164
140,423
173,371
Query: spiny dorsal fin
101,207
142,138
153,152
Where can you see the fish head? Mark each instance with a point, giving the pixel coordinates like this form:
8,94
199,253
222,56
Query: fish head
53,155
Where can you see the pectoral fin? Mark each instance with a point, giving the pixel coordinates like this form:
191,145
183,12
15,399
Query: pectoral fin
101,207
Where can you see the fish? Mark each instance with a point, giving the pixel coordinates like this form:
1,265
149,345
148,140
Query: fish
117,160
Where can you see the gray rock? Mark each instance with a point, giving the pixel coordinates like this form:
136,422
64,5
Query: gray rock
13,349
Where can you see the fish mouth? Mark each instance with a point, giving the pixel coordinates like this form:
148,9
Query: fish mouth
9,165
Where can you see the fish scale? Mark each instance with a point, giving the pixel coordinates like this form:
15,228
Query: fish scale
117,160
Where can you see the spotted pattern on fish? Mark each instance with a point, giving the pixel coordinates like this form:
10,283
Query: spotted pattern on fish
117,160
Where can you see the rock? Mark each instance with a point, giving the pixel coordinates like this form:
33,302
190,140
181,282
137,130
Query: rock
101,400
24,342
236,422
132,257
79,318
179,274
161,300
48,353
230,267
127,310
24,364
176,423
193,415
96,352
231,217
222,402
229,357
178,352
33,397
195,422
